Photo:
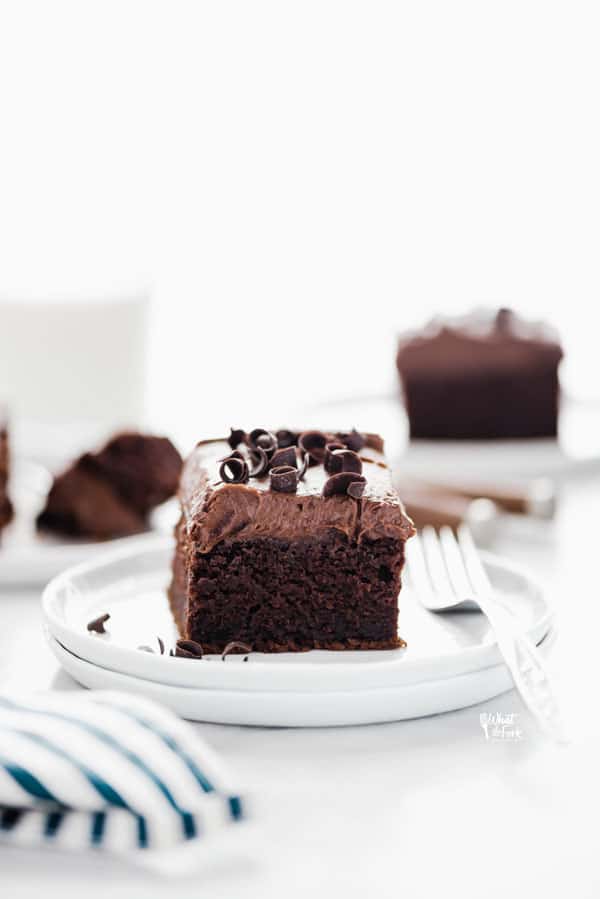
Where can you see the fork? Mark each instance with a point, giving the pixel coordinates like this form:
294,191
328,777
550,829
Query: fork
448,574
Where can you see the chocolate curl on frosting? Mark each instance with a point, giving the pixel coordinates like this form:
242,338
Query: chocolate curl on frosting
262,465
286,438
330,465
286,456
353,440
343,460
312,444
345,482
261,439
236,437
234,470
284,479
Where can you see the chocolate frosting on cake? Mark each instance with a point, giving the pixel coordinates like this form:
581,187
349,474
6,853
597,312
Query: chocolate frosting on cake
482,340
214,511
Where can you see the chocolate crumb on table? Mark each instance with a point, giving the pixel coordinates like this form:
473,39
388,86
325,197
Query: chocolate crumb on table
289,557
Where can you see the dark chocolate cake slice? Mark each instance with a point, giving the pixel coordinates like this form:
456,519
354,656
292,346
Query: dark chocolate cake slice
289,543
6,509
110,493
484,376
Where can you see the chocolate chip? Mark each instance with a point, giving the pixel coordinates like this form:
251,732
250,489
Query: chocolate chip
188,649
231,647
261,459
284,479
312,443
97,625
286,456
234,470
236,437
345,482
332,465
286,438
352,439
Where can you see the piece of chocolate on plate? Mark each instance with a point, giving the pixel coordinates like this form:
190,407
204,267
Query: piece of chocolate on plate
487,375
6,509
110,493
296,557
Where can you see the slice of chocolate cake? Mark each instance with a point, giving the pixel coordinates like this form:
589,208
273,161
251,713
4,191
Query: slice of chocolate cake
289,542
6,509
110,493
484,376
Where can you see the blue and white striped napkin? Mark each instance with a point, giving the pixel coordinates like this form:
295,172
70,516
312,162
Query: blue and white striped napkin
111,771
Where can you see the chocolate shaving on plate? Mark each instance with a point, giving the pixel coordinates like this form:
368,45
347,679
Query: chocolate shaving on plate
161,646
353,440
235,644
236,437
285,456
284,479
188,649
345,482
146,649
234,470
97,625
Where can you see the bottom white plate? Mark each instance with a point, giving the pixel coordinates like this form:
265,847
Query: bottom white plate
299,709
451,660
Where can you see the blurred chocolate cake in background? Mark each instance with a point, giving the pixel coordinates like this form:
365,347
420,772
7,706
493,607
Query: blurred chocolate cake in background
487,375
110,493
6,510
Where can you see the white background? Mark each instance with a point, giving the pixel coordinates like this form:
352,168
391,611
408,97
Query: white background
299,181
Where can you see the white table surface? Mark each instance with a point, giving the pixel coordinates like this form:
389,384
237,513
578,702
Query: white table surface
418,808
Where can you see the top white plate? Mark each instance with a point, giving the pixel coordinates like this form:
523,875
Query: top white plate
130,586
30,558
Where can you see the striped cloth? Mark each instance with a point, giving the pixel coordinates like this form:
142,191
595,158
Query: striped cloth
110,771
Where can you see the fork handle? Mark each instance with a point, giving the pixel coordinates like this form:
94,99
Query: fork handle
528,669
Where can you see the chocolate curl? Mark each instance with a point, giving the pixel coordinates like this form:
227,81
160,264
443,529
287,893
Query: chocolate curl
236,437
286,456
345,483
234,470
352,439
312,444
284,479
286,438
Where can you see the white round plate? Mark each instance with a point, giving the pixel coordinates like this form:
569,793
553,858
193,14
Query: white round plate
28,557
449,659
577,447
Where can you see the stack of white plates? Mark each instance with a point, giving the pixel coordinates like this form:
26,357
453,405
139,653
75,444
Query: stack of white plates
451,660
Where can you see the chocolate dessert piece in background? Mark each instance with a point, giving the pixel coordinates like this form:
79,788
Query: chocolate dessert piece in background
110,493
488,375
6,509
289,543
